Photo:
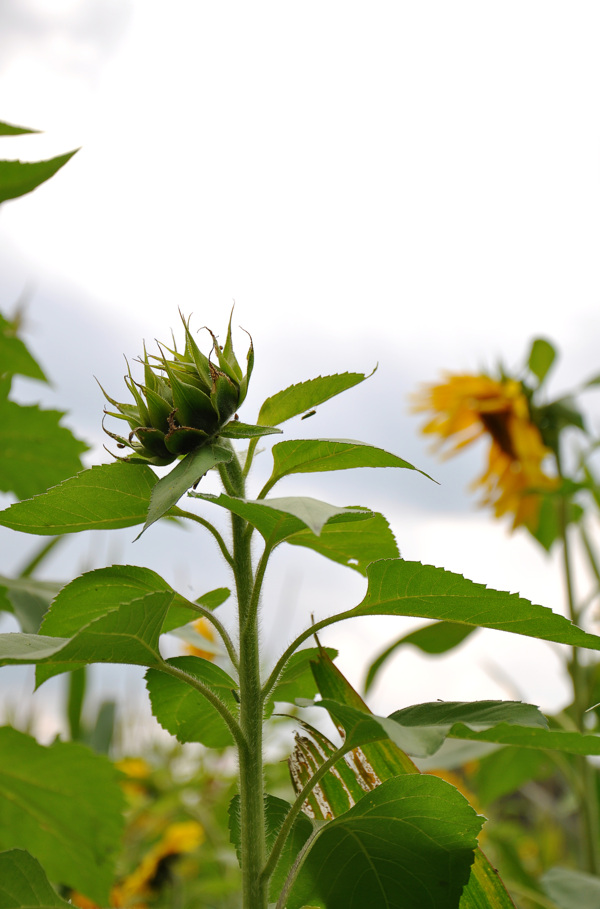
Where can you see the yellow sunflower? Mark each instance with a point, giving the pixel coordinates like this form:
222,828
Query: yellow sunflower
468,407
204,628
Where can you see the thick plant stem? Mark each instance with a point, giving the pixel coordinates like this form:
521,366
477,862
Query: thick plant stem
588,799
251,780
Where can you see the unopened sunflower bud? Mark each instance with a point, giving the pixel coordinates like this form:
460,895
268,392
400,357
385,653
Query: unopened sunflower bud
184,401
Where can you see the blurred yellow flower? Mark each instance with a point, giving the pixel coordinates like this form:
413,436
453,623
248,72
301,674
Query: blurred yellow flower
178,838
206,630
467,408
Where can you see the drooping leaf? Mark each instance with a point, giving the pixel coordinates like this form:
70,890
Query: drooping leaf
184,711
238,430
397,587
541,358
35,450
29,610
350,536
170,488
432,639
64,804
571,889
18,177
317,455
408,843
24,885
277,519
105,497
302,397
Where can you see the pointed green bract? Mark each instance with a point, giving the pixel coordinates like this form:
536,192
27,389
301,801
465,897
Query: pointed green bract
63,804
237,430
192,468
397,587
7,129
105,497
299,398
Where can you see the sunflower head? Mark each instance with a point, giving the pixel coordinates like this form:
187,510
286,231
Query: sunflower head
184,401
465,408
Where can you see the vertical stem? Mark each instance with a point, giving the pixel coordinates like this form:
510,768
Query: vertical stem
588,800
251,780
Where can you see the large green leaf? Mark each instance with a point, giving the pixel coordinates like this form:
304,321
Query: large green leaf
170,488
409,844
128,634
302,397
105,497
18,178
101,591
421,730
439,637
24,885
317,455
35,450
571,889
184,711
350,536
369,766
397,587
64,805
15,359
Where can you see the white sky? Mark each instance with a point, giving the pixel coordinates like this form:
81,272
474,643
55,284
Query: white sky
411,183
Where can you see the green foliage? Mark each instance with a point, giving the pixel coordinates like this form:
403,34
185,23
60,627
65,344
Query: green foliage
24,883
18,178
62,804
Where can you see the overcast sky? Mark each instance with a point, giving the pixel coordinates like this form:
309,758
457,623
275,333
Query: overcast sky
410,184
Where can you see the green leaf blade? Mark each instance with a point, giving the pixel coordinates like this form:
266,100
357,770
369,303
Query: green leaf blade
105,497
63,804
398,587
18,178
184,711
297,399
408,843
24,885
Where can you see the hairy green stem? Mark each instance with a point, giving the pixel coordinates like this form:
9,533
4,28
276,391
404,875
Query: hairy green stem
281,662
213,530
232,724
251,776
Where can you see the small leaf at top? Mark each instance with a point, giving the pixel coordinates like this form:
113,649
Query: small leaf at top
237,430
302,397
104,497
18,178
541,358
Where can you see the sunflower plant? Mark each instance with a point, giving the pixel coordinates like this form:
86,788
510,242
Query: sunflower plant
360,824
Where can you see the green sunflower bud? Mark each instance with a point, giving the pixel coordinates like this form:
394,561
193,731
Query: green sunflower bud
184,402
